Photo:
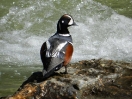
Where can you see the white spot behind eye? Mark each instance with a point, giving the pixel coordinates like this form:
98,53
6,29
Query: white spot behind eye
62,21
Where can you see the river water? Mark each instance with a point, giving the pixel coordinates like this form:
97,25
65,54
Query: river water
102,32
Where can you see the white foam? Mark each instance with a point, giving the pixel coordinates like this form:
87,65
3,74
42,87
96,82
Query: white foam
110,39
101,33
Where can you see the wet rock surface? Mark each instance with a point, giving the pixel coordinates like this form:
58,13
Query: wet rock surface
88,79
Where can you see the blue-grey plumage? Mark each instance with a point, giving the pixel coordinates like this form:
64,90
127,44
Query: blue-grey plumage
57,50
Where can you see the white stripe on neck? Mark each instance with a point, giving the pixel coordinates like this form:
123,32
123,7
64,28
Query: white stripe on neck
64,34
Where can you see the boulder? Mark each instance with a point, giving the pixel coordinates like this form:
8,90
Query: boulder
88,79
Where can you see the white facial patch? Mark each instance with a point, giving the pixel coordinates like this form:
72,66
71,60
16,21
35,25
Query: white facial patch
71,20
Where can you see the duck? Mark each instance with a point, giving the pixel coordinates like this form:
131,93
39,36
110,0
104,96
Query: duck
57,51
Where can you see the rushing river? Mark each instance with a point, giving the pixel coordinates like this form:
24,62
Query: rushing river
26,24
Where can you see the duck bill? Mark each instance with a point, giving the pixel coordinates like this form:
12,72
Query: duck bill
74,24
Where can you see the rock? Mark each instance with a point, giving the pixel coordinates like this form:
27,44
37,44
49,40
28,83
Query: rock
88,79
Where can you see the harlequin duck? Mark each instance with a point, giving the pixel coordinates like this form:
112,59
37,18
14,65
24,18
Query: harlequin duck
57,50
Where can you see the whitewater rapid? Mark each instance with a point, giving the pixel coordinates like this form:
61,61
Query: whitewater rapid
101,33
